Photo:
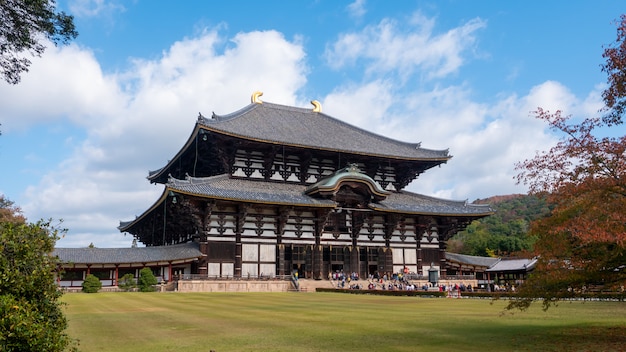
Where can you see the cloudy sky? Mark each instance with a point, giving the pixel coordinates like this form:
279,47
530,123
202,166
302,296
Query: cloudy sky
87,123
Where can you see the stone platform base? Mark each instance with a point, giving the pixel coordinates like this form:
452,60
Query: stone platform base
233,286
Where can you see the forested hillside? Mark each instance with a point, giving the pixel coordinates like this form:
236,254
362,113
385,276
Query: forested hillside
503,233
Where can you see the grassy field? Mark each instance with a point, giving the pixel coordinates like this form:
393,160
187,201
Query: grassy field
223,322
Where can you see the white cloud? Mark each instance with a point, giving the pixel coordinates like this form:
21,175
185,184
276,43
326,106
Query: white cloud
485,141
364,105
95,8
136,121
405,48
67,83
356,9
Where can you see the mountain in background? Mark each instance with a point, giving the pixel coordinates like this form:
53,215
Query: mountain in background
504,233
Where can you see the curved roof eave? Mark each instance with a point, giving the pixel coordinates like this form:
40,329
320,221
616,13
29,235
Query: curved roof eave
425,212
222,187
281,117
192,137
401,202
441,160
125,225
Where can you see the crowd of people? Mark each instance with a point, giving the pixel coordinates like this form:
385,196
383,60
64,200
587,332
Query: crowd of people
395,281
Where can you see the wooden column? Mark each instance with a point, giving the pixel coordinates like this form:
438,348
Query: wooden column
317,260
281,221
321,217
385,261
203,262
420,228
442,259
355,265
308,261
281,259
357,219
241,219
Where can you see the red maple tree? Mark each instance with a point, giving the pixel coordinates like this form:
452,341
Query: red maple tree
582,243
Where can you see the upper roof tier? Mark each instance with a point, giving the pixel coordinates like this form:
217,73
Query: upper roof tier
309,128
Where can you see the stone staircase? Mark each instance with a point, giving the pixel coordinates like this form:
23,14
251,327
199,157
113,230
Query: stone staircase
309,285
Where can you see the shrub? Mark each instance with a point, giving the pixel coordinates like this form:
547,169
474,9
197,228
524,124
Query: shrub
31,315
146,280
91,284
127,282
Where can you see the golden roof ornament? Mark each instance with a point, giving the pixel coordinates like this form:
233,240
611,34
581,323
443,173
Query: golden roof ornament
317,106
255,97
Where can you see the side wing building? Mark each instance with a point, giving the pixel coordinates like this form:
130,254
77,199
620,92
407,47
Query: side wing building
272,189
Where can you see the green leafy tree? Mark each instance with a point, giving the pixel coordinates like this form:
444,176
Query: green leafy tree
91,284
23,24
505,232
147,280
127,282
31,318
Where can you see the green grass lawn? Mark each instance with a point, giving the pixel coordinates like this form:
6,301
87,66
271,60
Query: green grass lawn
223,322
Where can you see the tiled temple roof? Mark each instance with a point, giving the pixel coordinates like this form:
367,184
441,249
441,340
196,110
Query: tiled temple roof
286,125
408,202
513,265
257,191
186,251
471,259
226,188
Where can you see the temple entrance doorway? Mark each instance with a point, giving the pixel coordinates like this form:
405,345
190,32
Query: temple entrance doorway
337,267
300,269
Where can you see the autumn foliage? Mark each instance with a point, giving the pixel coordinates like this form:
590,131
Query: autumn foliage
582,243
584,176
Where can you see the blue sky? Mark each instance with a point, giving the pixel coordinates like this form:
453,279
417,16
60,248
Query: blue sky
87,123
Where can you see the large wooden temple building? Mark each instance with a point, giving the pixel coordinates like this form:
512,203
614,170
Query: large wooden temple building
272,189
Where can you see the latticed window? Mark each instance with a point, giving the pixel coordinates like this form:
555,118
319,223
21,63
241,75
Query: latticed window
336,223
101,274
336,254
72,275
298,253
372,255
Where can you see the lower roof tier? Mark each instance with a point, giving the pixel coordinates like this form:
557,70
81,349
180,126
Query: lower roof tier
181,253
178,214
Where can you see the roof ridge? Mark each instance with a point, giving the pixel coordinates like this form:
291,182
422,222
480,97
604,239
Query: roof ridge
216,118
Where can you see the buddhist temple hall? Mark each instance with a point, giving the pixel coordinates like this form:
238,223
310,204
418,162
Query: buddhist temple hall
270,189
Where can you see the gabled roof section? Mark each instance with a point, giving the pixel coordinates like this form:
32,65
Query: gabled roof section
413,203
513,265
472,260
190,149
348,174
175,253
299,127
125,225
